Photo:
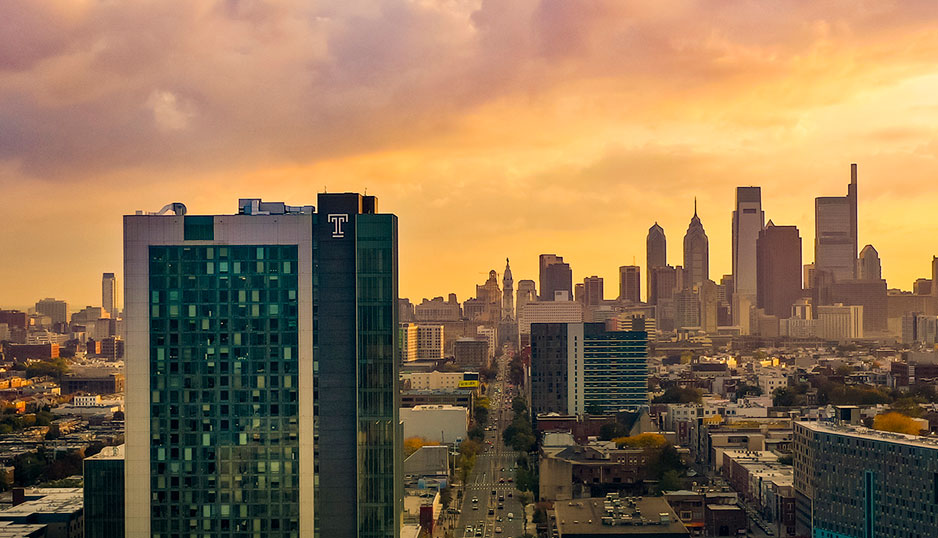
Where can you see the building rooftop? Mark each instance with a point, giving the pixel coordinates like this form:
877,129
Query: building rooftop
9,529
870,434
109,453
46,501
617,516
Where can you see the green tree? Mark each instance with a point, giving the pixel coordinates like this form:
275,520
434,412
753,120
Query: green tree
784,397
679,395
446,496
670,481
54,368
743,390
481,415
476,433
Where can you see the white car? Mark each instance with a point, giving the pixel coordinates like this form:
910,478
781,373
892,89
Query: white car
510,516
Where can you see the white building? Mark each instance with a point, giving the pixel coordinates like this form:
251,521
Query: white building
408,339
769,382
443,423
748,221
560,310
490,334
441,380
840,322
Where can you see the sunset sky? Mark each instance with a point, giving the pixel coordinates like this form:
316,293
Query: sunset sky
491,128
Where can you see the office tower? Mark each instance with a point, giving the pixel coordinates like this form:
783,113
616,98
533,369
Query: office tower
748,221
868,264
872,295
235,421
656,253
921,286
835,223
778,254
580,366
104,493
109,294
663,282
526,294
508,294
592,290
808,282
696,253
708,299
686,308
555,276
57,310
630,283
852,481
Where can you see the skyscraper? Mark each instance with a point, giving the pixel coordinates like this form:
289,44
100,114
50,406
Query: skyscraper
57,310
778,255
109,294
868,264
748,221
244,413
630,283
508,294
555,276
696,253
592,290
835,223
656,254
527,293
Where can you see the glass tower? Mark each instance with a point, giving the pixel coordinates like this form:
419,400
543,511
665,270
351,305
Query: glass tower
262,371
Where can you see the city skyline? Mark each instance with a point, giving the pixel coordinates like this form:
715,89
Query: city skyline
709,98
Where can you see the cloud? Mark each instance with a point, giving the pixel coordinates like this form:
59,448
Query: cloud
167,111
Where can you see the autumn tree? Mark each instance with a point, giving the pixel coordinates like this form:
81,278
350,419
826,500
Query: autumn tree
413,444
896,422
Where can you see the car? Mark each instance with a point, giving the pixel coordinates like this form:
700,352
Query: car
479,532
510,516
475,506
501,480
498,530
475,499
498,519
493,492
501,506
510,480
468,531
491,511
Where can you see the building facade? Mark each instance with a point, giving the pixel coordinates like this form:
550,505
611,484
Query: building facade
748,221
696,253
109,294
262,368
656,253
835,232
576,367
856,482
555,276
778,256
104,493
630,283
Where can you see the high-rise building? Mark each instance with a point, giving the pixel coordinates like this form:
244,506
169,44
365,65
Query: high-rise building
55,309
580,367
560,311
592,290
104,493
778,255
840,322
109,294
868,264
527,293
555,276
430,341
508,294
656,253
707,298
854,481
630,283
663,281
748,221
696,253
835,224
262,371
808,281
408,341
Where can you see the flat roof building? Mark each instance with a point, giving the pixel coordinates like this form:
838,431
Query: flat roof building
636,517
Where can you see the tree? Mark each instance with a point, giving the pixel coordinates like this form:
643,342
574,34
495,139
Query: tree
896,422
481,414
744,389
594,409
679,395
642,440
476,433
784,397
53,432
787,459
413,444
446,496
54,368
908,406
118,415
670,481
612,430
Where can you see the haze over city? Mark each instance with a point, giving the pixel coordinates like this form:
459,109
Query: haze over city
492,129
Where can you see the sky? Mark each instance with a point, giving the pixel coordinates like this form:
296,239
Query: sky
493,129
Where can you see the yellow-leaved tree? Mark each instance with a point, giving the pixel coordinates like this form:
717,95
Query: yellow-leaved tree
896,422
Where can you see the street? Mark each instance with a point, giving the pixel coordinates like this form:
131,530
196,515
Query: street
490,505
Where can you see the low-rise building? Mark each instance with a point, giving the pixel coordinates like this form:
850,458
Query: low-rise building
59,509
443,423
634,517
